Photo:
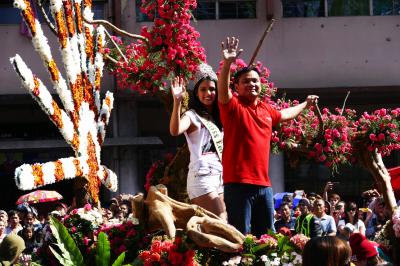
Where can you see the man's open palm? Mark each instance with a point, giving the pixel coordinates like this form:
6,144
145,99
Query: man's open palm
230,49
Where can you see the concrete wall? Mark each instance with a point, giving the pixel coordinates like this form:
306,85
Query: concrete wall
308,52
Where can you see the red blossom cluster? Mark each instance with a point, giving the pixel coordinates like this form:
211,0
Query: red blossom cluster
380,130
168,252
330,144
342,133
172,49
334,147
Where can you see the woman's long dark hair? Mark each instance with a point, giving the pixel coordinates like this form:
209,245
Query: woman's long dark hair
199,107
326,251
350,206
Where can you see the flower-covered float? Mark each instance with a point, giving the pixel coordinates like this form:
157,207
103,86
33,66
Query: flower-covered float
327,137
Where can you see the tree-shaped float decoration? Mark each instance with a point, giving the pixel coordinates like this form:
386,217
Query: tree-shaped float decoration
82,119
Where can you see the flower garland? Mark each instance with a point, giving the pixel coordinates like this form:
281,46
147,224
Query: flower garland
172,49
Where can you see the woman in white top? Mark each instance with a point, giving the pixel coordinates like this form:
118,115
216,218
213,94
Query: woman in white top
351,216
201,126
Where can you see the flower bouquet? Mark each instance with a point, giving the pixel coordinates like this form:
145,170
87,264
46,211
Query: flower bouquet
81,224
380,130
172,48
127,237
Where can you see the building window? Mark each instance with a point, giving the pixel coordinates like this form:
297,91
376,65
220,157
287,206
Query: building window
236,9
11,15
386,7
331,8
205,10
214,9
305,8
348,8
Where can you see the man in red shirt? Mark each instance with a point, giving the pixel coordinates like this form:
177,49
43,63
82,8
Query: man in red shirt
248,123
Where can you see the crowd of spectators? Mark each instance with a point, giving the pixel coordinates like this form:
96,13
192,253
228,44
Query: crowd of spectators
326,215
28,229
320,217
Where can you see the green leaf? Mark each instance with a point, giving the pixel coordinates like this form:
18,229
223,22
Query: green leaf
120,260
63,261
102,250
258,248
70,253
282,241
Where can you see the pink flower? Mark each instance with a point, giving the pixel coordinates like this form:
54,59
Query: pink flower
86,241
381,136
87,207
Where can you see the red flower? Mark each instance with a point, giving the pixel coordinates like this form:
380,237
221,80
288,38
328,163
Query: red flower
156,246
175,258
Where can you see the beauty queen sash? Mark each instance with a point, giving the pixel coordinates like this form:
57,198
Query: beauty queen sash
215,133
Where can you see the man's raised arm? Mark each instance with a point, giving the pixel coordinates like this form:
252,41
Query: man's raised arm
229,54
292,112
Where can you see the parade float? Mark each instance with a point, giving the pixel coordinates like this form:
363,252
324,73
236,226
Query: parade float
168,231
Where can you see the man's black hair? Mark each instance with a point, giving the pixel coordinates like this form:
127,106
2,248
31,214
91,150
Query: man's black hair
312,194
199,107
244,70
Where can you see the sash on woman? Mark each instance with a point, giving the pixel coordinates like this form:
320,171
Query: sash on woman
215,133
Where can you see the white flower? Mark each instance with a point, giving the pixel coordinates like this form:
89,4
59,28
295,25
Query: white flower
232,261
298,260
276,262
236,259
264,258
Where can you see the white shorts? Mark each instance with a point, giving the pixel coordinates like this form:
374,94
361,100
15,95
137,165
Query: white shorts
201,184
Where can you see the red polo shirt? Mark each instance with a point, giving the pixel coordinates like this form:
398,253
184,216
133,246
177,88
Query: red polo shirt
247,135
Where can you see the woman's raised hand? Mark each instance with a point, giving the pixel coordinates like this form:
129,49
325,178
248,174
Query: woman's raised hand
178,88
230,49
